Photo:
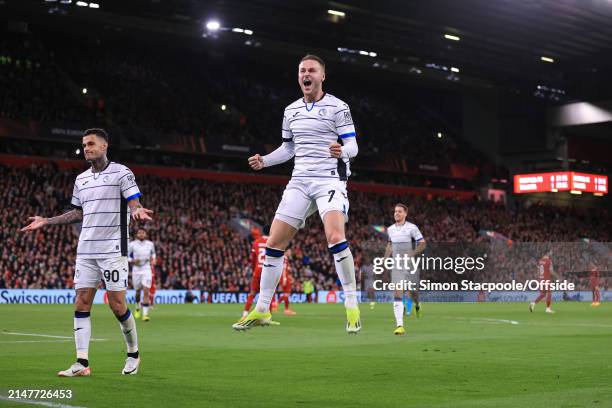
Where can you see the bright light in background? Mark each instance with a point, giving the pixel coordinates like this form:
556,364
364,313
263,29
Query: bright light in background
223,107
439,135
242,31
81,4
94,5
363,52
336,13
547,59
373,54
452,37
78,151
213,25
84,90
453,69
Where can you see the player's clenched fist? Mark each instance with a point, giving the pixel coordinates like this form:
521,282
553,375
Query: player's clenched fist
256,162
335,149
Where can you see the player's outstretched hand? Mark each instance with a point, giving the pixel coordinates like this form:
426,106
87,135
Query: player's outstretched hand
256,162
142,214
36,223
335,149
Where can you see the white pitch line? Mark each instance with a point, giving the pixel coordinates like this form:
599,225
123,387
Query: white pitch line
45,335
483,320
36,341
41,403
486,319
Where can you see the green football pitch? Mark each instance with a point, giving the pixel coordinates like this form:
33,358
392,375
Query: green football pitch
455,355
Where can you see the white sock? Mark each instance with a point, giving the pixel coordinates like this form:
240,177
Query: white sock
82,334
398,311
128,328
270,275
145,309
345,267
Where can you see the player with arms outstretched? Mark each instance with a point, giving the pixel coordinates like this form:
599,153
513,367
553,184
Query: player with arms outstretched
103,198
545,275
401,235
318,132
142,257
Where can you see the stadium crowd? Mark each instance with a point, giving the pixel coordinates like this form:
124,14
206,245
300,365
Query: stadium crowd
198,248
150,93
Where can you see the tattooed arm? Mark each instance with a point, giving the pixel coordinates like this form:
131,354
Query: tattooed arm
71,217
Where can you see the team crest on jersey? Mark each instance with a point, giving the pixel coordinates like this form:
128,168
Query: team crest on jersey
347,117
130,178
322,112
106,178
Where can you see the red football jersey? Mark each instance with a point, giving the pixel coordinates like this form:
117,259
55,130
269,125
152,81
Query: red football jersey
258,254
545,268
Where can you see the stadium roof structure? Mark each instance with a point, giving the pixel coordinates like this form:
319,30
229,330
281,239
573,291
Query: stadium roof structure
564,46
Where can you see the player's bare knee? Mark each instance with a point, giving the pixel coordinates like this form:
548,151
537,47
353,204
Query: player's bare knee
335,237
117,305
84,300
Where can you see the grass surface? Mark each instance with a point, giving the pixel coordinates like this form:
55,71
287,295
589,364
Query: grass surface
456,355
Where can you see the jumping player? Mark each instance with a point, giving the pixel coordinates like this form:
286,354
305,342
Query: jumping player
318,131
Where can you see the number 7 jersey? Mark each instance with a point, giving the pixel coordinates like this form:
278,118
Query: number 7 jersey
312,127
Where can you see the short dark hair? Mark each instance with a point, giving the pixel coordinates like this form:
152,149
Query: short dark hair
404,206
314,58
98,132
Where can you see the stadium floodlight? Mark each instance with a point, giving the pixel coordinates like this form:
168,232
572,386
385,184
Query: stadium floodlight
547,59
77,151
223,107
452,37
248,32
237,30
82,4
373,54
84,90
94,5
213,25
454,69
361,52
439,135
65,1
336,13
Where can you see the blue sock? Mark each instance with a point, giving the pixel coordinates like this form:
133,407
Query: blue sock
407,305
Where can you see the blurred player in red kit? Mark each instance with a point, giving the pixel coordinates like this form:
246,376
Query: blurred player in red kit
545,275
594,278
286,283
258,252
